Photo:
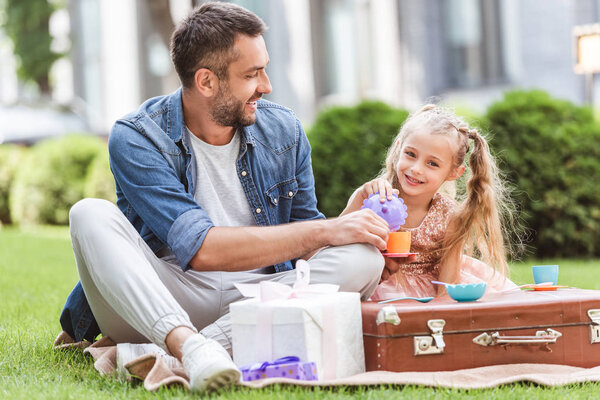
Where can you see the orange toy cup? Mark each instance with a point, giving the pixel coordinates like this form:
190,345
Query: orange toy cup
398,242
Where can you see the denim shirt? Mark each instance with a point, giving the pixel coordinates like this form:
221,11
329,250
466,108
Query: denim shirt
155,174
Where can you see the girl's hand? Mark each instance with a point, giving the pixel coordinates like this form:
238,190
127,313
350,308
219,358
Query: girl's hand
392,265
378,185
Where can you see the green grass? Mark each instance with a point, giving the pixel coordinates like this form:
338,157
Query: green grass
37,271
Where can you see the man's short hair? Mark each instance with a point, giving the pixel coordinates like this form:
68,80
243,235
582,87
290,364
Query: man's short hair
205,39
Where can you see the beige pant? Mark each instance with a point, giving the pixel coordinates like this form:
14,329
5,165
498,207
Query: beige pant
138,297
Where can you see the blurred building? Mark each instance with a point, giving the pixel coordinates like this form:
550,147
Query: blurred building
467,52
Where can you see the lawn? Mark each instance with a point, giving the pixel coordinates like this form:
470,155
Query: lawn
37,271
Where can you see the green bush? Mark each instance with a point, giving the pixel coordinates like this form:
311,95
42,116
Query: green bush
348,148
550,150
52,179
100,182
10,156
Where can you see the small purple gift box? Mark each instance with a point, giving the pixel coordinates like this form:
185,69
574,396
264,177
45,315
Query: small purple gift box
285,367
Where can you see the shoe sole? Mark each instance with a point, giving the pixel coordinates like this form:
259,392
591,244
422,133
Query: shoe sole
221,379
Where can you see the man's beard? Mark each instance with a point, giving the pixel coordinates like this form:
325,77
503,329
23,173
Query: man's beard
229,111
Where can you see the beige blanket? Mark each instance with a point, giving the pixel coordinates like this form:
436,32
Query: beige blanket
157,369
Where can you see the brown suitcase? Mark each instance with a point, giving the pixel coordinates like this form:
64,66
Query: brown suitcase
553,327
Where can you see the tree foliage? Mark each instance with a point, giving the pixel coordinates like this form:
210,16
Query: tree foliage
10,158
349,145
550,151
27,25
52,178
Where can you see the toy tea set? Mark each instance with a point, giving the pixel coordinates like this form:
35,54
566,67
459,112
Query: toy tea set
394,213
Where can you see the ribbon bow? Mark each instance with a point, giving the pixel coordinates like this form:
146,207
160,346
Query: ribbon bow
268,290
264,365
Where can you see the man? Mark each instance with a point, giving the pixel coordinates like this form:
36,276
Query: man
214,187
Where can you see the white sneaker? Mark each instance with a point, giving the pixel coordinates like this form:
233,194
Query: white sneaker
207,364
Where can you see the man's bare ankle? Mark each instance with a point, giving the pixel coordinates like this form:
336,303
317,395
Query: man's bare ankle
176,338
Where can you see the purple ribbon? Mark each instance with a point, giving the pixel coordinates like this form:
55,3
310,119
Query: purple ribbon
263,366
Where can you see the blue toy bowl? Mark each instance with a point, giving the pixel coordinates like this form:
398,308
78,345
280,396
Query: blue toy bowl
466,292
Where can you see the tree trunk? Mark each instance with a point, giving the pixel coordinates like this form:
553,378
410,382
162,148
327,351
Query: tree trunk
44,85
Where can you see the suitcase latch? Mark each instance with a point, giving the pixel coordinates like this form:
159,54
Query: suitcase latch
433,344
387,315
595,326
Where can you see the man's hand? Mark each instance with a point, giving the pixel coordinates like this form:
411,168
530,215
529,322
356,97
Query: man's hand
392,265
362,226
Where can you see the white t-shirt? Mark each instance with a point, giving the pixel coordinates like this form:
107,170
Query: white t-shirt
218,188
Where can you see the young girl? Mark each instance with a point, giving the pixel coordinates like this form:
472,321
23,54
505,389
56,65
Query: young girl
422,165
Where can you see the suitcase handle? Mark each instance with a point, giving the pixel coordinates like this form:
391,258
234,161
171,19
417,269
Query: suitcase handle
495,339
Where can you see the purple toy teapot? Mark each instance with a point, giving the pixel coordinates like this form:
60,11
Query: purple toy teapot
392,211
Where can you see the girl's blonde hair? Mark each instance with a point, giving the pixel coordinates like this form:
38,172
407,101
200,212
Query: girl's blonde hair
477,226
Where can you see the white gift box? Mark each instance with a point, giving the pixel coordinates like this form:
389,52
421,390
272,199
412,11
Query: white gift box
323,328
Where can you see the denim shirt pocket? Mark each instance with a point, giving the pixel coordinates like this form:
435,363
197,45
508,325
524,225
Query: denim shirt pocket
280,198
283,190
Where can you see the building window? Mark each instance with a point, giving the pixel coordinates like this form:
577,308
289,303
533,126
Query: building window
334,30
473,42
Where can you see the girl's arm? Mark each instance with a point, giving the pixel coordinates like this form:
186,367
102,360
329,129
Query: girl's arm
380,185
450,267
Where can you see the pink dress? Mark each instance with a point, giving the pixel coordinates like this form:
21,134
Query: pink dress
414,279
